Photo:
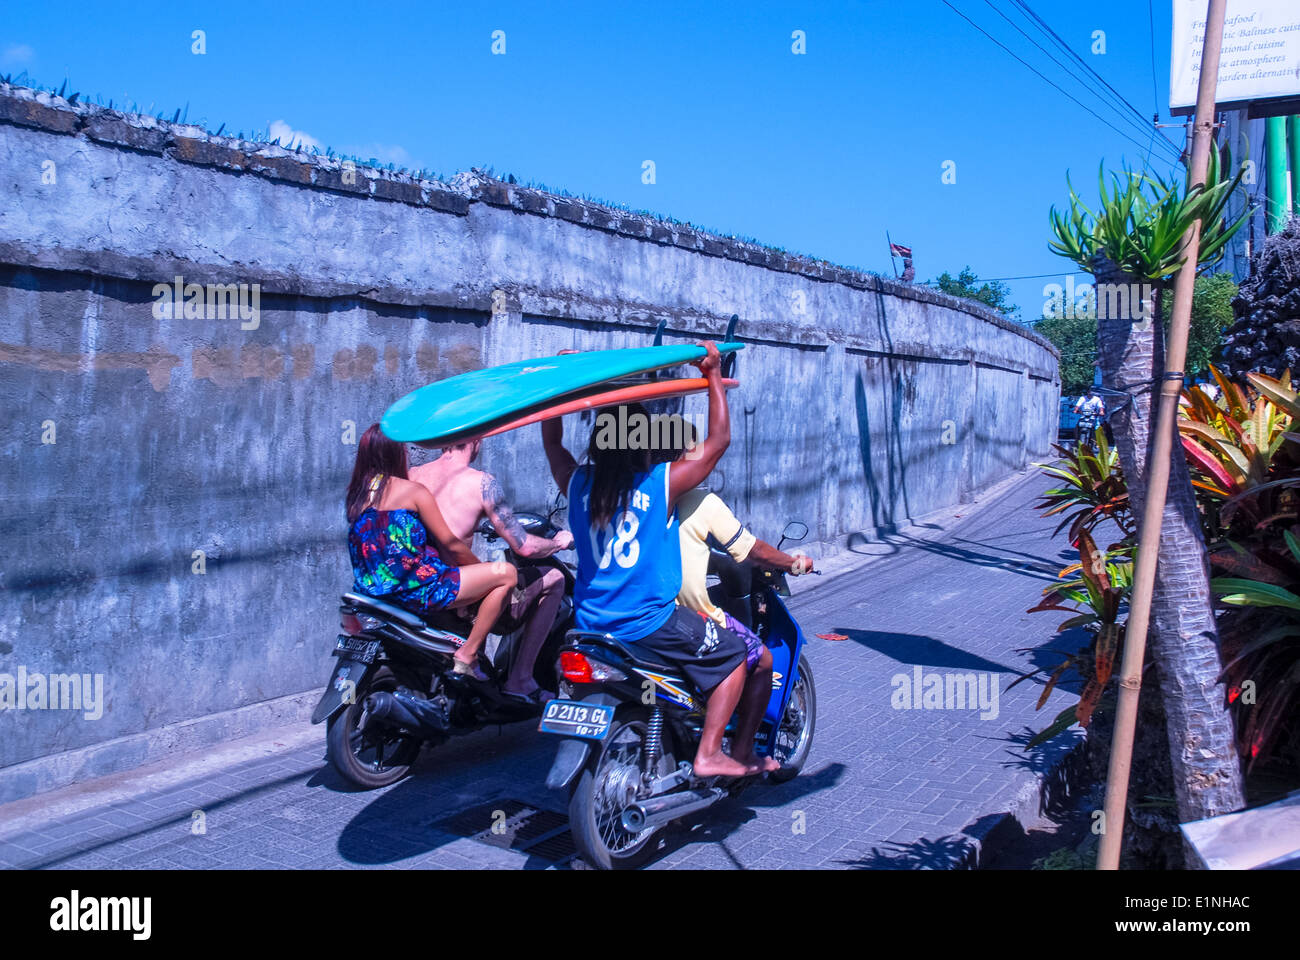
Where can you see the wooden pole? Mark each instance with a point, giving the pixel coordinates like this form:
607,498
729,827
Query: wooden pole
1165,427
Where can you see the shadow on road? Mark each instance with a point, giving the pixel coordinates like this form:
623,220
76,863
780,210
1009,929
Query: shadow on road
1051,653
719,822
953,852
402,822
912,649
980,553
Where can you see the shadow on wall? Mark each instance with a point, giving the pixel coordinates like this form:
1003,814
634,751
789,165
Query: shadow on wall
884,503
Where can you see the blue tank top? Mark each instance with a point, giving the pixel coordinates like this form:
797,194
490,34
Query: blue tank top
629,572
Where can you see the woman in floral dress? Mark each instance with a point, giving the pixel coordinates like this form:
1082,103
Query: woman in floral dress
404,553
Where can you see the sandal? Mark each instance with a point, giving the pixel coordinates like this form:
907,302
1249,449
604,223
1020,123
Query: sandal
462,669
538,698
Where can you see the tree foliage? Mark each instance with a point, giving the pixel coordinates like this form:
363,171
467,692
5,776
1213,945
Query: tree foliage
966,284
1076,336
1211,316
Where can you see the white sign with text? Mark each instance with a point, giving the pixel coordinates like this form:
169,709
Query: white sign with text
1260,57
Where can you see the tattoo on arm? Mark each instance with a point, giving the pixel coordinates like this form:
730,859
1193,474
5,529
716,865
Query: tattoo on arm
499,512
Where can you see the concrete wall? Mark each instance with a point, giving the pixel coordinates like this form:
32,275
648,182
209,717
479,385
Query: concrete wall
863,402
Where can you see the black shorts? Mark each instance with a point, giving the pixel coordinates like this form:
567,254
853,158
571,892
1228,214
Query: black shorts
705,652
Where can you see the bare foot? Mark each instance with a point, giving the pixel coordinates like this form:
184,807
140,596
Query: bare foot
718,765
756,764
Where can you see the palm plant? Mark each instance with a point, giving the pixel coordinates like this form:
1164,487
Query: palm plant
1143,220
1137,236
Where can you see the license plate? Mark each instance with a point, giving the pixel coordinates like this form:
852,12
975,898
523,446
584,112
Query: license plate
590,721
354,648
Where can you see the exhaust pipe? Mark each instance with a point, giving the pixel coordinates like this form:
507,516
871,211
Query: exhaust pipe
657,811
402,710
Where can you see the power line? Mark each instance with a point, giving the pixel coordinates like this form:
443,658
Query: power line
1048,31
1143,126
1041,76
1155,90
1151,31
1028,276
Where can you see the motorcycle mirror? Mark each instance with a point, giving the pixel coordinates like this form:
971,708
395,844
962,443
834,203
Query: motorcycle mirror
795,531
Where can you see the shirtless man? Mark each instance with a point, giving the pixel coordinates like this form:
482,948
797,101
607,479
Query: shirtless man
465,495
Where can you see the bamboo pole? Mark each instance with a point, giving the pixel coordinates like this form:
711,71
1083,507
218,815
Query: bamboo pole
1165,426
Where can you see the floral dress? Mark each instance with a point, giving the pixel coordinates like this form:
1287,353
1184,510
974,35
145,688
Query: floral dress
392,560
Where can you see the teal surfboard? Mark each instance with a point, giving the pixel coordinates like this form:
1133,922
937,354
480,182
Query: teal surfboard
480,397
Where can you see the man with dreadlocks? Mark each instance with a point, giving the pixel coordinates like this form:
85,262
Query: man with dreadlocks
622,513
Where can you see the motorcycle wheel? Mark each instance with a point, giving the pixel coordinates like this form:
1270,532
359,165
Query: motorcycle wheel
370,759
794,736
605,786
1085,431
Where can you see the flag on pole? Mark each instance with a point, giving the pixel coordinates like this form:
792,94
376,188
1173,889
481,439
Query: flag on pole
898,250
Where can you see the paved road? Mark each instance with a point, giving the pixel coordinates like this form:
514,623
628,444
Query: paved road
885,787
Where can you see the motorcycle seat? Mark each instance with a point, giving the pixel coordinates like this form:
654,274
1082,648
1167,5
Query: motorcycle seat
626,648
447,621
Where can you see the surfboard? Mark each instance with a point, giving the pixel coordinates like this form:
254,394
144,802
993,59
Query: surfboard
598,397
469,401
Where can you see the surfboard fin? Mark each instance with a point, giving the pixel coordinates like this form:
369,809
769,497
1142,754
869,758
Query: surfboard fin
729,362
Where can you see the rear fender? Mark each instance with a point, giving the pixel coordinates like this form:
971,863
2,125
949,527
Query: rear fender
574,752
348,677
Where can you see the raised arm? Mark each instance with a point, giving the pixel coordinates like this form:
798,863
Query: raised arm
560,459
456,550
691,471
507,525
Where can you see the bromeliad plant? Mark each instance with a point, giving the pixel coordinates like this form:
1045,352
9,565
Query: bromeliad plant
1244,459
1231,442
1262,654
1095,592
1094,489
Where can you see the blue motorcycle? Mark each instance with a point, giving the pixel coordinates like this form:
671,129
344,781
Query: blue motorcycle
628,722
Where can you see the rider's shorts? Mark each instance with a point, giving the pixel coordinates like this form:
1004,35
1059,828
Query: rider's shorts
705,652
753,645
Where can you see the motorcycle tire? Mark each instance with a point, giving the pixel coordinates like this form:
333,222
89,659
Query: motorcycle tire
595,815
393,756
800,722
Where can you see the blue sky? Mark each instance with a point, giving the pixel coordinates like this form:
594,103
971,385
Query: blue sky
818,153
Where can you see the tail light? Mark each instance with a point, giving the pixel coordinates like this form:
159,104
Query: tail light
578,669
350,622
575,667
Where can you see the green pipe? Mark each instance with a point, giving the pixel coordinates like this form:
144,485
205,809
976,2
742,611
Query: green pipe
1275,161
1293,138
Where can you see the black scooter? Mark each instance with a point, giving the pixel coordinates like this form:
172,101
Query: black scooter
393,688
